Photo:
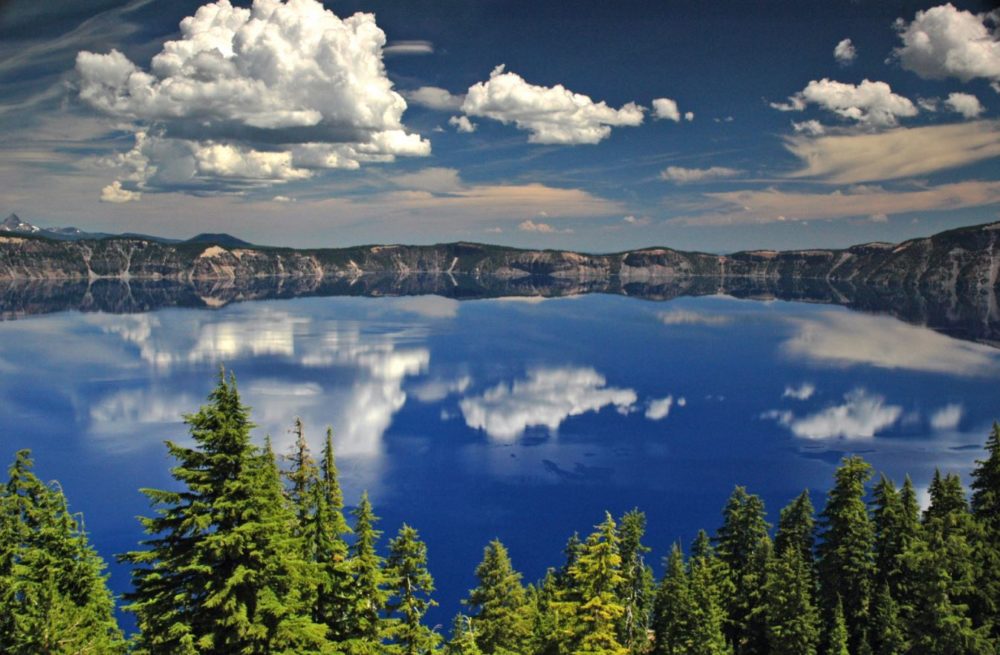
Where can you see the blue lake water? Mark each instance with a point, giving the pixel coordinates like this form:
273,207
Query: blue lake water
519,418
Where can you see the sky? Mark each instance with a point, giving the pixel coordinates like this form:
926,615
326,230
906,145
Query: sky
597,126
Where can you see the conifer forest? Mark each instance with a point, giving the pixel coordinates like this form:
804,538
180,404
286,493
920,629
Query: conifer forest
254,552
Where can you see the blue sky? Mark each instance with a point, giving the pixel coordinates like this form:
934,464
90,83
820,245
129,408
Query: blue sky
589,125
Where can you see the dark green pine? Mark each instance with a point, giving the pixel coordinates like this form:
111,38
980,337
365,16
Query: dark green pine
53,592
412,586
797,528
846,560
369,594
637,588
222,571
792,619
673,611
498,604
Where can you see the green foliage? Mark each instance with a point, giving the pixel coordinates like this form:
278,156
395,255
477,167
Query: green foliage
796,528
837,639
463,638
637,588
498,604
792,619
412,586
53,596
368,627
846,552
222,571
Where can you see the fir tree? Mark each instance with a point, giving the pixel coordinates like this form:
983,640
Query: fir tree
463,638
498,604
846,555
412,587
368,628
986,510
838,637
636,592
222,571
742,532
53,593
709,616
330,551
673,611
793,625
796,528
886,634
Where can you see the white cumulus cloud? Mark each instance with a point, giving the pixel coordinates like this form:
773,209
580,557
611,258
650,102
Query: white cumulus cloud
965,104
116,194
869,103
551,114
529,225
257,93
948,417
947,42
861,415
659,408
845,53
462,124
682,175
546,398
665,108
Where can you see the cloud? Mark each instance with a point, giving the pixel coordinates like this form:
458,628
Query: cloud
895,154
965,104
842,339
552,114
433,391
682,175
685,317
409,48
948,417
434,97
435,179
529,225
811,127
689,116
546,398
804,391
659,408
945,42
462,124
260,94
428,306
862,415
665,108
871,104
636,221
845,53
116,194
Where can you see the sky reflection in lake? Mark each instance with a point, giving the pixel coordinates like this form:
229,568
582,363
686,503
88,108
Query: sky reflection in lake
503,418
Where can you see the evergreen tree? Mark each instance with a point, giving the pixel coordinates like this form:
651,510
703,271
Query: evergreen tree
636,592
947,497
334,596
368,628
986,510
498,604
895,521
673,611
463,638
838,637
792,619
796,528
303,477
708,618
737,541
412,587
222,571
701,547
53,593
593,608
846,552
886,634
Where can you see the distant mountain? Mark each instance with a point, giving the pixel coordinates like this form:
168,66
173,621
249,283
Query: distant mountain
220,239
17,225
13,223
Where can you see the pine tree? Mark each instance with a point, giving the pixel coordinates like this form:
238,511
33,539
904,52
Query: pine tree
986,510
708,618
53,593
590,602
673,611
895,520
846,551
886,633
636,592
743,530
796,528
330,551
498,604
412,587
369,595
463,638
222,571
793,624
838,637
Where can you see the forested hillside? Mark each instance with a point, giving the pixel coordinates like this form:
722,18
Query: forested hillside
256,553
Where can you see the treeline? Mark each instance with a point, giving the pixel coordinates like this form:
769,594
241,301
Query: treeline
254,555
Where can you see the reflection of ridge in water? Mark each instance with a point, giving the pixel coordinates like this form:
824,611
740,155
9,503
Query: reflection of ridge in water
965,314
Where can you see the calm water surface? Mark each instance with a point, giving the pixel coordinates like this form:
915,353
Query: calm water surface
522,419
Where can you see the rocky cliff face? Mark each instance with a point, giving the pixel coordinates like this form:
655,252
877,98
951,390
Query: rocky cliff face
965,260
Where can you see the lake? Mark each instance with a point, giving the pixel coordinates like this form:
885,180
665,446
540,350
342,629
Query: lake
521,417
